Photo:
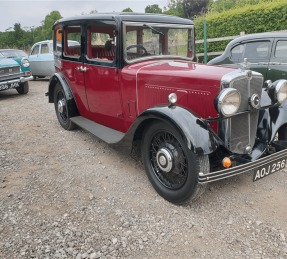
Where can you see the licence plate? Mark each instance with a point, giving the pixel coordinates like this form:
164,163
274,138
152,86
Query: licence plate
269,168
8,86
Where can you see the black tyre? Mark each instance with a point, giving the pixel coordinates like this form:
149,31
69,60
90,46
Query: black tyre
61,108
23,88
171,167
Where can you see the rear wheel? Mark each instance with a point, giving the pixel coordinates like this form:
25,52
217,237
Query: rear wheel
171,167
61,108
23,88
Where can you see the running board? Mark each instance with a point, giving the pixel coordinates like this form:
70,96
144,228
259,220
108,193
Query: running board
104,133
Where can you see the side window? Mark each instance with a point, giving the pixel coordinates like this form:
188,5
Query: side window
35,51
236,53
44,49
101,43
142,42
281,49
72,41
58,41
257,50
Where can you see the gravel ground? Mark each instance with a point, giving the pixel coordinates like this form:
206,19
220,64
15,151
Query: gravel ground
66,194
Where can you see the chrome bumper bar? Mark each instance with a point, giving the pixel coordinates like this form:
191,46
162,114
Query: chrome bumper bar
22,79
240,169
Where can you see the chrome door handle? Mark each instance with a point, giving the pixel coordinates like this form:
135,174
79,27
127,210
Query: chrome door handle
81,68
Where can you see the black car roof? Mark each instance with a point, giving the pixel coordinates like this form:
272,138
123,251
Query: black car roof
264,35
135,17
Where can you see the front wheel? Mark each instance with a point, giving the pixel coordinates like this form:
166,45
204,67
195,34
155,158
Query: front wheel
171,167
23,88
61,108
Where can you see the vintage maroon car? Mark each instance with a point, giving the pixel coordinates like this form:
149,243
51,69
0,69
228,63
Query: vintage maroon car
132,79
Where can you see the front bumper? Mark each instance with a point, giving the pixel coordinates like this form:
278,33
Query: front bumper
240,169
14,83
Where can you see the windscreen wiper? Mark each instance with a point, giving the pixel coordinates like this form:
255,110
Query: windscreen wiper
153,29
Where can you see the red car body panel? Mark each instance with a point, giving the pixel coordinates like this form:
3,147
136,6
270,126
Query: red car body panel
152,81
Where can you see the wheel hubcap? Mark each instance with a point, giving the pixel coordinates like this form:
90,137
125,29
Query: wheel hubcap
61,105
164,160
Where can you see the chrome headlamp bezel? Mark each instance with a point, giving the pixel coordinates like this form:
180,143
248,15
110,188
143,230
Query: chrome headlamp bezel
278,91
172,99
228,102
25,62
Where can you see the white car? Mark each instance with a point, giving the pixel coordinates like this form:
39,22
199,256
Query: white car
41,59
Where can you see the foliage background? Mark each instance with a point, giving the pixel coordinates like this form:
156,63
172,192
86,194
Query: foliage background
265,16
17,37
223,17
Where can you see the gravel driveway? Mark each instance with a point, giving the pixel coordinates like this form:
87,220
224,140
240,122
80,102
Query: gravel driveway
66,194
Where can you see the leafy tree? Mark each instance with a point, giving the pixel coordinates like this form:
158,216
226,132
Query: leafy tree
50,19
187,8
193,8
153,9
127,10
174,7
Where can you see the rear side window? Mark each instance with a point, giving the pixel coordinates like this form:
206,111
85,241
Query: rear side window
281,49
251,50
44,49
58,36
237,52
72,40
101,42
35,51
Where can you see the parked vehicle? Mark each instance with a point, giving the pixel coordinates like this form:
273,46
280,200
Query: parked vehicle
19,56
133,80
14,70
41,59
265,53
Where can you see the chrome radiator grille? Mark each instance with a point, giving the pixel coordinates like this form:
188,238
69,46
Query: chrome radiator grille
6,71
240,129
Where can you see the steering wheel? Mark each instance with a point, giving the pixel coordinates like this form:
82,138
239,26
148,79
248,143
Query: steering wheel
139,46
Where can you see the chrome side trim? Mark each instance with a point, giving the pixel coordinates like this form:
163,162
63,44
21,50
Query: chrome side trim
244,168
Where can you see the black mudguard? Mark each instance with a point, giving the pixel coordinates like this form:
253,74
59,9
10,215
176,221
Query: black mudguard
59,78
196,132
270,120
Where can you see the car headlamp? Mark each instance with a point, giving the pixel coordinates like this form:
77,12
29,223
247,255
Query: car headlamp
278,91
25,62
228,102
172,98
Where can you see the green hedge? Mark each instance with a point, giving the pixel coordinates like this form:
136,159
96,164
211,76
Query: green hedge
264,17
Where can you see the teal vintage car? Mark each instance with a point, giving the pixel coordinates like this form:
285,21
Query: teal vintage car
14,70
265,53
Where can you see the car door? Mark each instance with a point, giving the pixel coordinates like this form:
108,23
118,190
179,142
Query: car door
33,59
278,62
101,75
255,52
45,60
71,63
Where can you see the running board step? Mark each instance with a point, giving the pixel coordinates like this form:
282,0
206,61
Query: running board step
104,133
